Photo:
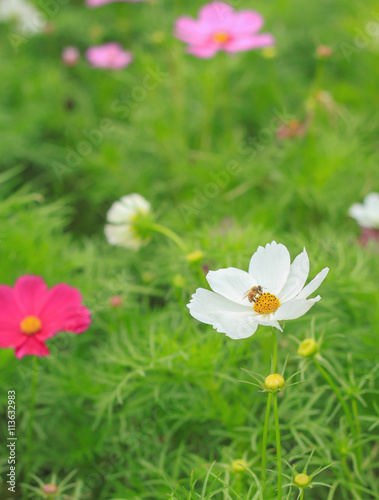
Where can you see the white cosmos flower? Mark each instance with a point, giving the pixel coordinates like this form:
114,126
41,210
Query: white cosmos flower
122,219
283,295
29,20
367,213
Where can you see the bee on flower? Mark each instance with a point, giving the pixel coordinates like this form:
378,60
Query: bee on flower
271,291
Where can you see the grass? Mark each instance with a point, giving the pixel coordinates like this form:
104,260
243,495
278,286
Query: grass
149,403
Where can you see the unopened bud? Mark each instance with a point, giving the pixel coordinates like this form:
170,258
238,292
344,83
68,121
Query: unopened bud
195,256
70,56
147,277
239,465
49,488
307,348
115,301
324,51
178,281
274,382
302,480
269,52
158,37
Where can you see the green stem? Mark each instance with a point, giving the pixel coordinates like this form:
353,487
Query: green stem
33,393
301,495
264,445
267,418
337,392
170,234
278,446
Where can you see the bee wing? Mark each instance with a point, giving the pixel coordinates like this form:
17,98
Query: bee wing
246,294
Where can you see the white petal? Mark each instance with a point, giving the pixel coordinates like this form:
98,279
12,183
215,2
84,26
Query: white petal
122,211
268,320
224,315
136,203
295,308
119,213
372,200
121,236
359,213
232,283
314,284
270,267
236,325
297,277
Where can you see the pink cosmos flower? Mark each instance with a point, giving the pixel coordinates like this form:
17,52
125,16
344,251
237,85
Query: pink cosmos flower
220,27
30,314
98,3
110,56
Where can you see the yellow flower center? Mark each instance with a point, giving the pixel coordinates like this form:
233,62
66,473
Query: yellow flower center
30,325
221,37
266,303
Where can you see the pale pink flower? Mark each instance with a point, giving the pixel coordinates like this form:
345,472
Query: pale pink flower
30,314
110,56
99,3
220,27
70,56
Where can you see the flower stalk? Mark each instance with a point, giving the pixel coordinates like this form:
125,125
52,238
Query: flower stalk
265,427
278,446
264,445
33,393
170,234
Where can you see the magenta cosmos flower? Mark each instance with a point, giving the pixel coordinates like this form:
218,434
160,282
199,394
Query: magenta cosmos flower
30,314
110,56
220,27
99,3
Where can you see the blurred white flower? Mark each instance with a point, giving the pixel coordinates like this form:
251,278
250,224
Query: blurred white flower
367,213
28,19
125,222
272,290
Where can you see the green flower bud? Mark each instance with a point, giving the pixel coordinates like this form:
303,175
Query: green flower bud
274,382
307,348
302,480
239,465
178,281
195,256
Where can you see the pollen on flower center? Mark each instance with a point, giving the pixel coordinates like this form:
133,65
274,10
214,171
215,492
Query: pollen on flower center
221,36
266,303
30,325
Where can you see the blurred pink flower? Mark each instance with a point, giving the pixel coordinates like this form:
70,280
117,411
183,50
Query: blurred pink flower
110,55
220,27
368,234
30,314
70,56
99,3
